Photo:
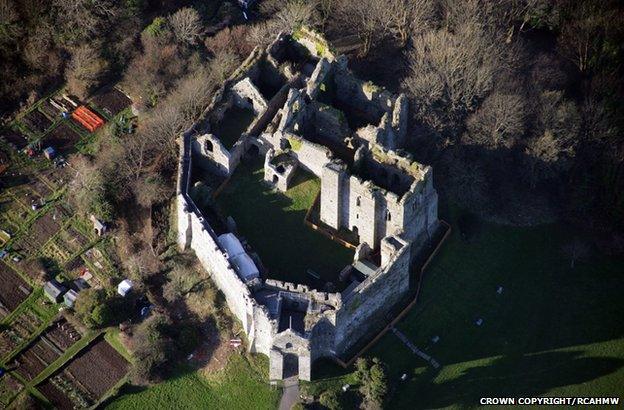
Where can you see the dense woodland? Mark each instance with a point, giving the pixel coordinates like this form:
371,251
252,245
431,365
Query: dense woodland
516,103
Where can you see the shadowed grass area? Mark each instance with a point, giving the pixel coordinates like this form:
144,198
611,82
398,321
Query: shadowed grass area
553,330
273,223
242,384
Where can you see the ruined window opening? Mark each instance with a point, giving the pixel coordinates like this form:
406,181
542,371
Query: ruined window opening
388,217
280,169
383,174
358,202
208,146
275,179
357,216
288,345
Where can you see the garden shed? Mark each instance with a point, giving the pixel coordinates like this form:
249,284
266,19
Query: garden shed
54,291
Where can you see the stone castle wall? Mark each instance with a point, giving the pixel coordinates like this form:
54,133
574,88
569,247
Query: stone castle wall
385,220
369,303
195,233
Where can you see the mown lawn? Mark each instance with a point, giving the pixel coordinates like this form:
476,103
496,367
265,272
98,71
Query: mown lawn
242,384
552,331
272,222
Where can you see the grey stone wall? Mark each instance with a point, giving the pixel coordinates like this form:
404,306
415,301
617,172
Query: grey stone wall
373,299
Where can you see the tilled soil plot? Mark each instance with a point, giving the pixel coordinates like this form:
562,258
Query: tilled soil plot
98,369
16,139
112,101
21,328
35,358
9,387
55,396
13,289
49,110
37,122
40,232
62,334
41,188
73,240
62,138
57,176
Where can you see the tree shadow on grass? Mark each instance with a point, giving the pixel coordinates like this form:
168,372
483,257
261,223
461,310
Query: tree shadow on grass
508,376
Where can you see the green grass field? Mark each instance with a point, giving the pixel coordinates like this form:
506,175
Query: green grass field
273,223
553,330
242,384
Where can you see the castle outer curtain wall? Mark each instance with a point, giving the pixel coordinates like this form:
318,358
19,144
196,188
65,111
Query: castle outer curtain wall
394,217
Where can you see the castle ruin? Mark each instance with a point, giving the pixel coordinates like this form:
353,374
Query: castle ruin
300,108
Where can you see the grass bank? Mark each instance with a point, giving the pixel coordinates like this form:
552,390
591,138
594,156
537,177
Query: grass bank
242,384
546,328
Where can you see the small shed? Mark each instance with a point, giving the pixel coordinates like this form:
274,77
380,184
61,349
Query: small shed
79,285
49,153
54,291
124,287
70,298
98,226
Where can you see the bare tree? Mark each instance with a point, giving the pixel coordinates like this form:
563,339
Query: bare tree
186,25
81,19
40,52
556,133
85,70
296,13
88,190
409,17
151,190
450,72
285,15
499,122
233,40
581,37
369,19
9,23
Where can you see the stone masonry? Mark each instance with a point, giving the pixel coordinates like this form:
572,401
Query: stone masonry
309,111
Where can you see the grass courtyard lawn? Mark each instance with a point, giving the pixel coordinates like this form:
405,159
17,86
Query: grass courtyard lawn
272,222
553,331
242,384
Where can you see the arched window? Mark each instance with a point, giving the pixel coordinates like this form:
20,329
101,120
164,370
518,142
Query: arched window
358,201
275,179
208,146
388,217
